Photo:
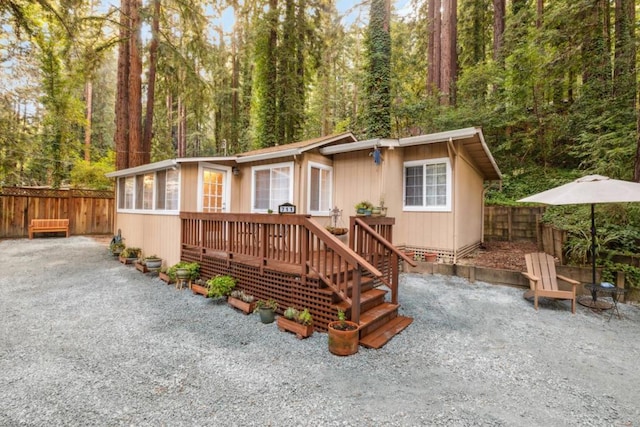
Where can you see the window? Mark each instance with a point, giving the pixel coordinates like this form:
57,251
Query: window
427,185
152,191
320,183
272,186
128,192
167,190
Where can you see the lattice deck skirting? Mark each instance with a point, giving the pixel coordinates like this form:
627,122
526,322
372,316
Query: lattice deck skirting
285,288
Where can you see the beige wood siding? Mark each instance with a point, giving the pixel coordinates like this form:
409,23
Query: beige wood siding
154,234
432,230
356,177
468,202
189,187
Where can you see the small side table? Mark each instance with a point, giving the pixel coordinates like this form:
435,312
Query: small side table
611,291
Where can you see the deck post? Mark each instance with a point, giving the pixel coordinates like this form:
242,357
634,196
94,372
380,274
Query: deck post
395,261
355,295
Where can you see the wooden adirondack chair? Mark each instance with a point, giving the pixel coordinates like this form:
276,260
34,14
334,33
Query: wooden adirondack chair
543,280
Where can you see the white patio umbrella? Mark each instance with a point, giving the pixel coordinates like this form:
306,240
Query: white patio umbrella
590,189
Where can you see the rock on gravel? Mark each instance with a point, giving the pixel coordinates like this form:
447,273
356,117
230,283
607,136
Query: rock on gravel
85,341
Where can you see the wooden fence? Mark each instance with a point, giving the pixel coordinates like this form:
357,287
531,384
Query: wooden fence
88,211
512,223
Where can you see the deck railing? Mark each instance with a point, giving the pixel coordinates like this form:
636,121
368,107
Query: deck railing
371,239
287,241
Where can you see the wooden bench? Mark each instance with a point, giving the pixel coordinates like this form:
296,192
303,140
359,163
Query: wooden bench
48,226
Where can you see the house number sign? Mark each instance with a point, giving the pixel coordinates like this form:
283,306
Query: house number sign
286,208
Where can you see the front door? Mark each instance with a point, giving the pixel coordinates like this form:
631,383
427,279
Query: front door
213,196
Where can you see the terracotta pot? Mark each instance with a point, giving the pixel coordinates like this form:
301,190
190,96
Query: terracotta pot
343,343
430,257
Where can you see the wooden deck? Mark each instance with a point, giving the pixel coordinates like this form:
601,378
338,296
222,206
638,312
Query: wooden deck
296,262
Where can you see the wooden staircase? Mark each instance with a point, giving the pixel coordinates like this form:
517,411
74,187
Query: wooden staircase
379,319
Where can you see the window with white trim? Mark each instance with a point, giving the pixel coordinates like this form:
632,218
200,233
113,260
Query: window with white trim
272,185
150,192
167,190
320,184
427,185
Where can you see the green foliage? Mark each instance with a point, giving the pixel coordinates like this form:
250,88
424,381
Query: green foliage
378,77
631,273
305,317
131,252
92,175
525,181
220,286
266,305
291,313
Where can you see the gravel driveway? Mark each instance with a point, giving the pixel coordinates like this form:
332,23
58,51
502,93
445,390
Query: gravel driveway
85,341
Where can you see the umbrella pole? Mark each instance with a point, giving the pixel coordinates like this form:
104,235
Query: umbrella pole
593,245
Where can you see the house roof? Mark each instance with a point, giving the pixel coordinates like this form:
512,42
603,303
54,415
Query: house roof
471,138
294,148
166,164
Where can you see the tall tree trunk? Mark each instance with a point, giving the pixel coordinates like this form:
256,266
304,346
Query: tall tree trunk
136,151
499,12
87,127
449,52
434,23
121,135
151,84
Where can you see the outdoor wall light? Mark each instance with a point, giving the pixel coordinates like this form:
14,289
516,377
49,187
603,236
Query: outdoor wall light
235,170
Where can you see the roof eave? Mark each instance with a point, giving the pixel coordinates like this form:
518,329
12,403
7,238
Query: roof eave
150,167
359,145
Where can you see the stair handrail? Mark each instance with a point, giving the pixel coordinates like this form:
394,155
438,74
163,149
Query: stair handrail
350,257
396,254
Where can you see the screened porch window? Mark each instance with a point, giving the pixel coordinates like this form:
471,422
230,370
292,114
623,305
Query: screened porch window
427,185
320,183
272,186
149,192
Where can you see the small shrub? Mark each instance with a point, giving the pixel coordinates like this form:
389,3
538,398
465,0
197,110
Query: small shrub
291,313
221,286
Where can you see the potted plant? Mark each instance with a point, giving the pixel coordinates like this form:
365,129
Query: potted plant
364,208
153,262
116,247
129,255
243,302
267,310
343,336
149,263
188,271
220,286
298,322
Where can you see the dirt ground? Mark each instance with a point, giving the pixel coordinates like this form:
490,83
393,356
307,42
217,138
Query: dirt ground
502,255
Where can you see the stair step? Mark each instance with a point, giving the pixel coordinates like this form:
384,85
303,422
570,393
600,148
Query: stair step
365,298
383,334
376,317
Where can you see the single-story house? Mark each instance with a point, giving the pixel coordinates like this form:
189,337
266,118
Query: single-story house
433,185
